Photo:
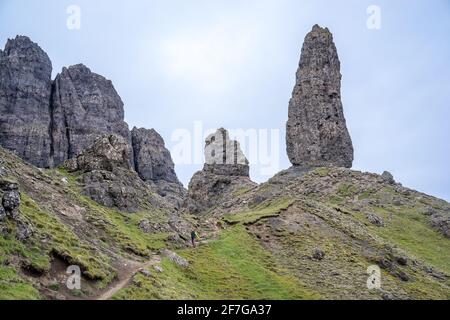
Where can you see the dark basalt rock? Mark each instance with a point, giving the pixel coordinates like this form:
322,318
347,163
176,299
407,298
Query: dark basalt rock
25,90
108,178
46,123
154,164
85,106
152,159
11,202
106,153
226,170
316,133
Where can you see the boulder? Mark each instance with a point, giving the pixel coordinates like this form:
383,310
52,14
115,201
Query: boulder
318,255
388,177
172,256
316,133
24,231
106,153
374,219
11,203
2,214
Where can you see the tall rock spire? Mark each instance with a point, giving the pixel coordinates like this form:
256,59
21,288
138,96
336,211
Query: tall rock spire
316,133
25,89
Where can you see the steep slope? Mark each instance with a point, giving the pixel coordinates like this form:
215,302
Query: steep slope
314,235
57,225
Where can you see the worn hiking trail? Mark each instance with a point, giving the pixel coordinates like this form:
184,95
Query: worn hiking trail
126,277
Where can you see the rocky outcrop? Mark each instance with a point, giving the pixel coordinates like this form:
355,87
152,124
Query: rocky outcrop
25,90
85,106
316,130
154,164
9,209
226,171
224,156
107,153
151,158
46,123
106,175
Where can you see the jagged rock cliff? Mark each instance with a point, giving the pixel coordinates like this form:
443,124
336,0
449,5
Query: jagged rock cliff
316,131
226,171
47,122
85,106
25,91
106,175
152,160
154,164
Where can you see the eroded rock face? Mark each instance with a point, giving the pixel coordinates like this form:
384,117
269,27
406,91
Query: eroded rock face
152,160
106,153
154,164
108,178
10,199
224,156
46,123
85,106
316,134
25,90
226,171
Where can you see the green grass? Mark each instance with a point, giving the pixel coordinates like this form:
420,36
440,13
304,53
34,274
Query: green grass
410,230
242,191
121,228
265,210
346,190
13,287
322,172
223,269
56,237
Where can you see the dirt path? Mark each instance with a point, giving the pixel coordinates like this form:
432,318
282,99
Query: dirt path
126,277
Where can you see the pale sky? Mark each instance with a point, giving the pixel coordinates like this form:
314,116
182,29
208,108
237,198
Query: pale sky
232,64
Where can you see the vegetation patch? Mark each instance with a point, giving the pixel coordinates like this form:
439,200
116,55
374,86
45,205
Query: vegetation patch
322,172
223,269
13,287
347,190
265,210
56,237
407,228
121,228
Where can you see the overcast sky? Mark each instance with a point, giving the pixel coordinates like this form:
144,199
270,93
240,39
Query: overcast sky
232,64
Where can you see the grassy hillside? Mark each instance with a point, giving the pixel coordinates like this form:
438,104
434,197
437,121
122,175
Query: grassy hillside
235,266
262,245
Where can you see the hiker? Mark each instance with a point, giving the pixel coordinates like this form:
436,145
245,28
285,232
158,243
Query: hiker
194,236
